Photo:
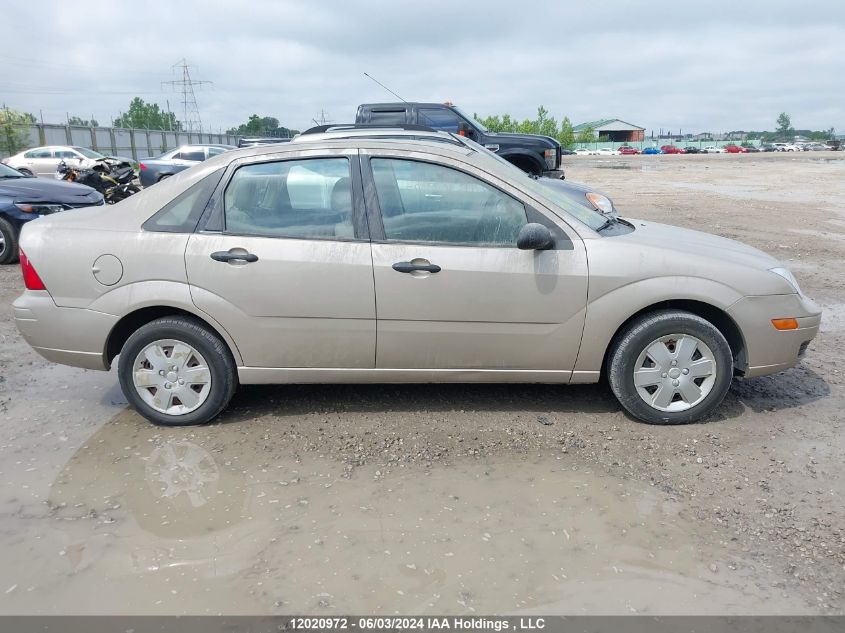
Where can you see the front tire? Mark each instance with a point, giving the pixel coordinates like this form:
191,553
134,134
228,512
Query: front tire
8,243
670,367
175,371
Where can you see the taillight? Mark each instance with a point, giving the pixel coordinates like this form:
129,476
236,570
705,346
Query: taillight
30,278
141,166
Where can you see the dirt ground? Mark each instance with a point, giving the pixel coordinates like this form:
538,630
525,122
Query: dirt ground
454,499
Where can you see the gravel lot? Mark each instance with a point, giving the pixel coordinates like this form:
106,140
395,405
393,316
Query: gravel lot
454,499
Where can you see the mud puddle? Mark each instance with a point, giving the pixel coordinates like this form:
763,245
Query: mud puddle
144,520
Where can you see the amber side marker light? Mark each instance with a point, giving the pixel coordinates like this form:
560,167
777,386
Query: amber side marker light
785,324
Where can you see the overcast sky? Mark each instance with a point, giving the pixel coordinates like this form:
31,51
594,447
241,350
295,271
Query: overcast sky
699,66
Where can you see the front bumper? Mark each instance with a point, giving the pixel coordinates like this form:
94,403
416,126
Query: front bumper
70,336
769,350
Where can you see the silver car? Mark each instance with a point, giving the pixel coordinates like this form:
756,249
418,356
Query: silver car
354,259
43,161
152,170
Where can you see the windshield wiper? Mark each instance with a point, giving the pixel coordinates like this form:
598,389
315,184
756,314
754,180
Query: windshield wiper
607,224
11,176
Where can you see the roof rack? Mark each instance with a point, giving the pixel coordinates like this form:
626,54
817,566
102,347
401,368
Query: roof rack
335,127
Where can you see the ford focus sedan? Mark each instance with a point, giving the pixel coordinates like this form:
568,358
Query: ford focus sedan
410,258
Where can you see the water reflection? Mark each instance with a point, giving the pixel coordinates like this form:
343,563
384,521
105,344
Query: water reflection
224,519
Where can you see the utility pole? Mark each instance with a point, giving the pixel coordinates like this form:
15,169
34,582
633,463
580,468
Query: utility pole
185,85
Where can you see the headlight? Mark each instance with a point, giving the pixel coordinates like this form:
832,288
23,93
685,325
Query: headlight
601,203
35,207
551,158
788,276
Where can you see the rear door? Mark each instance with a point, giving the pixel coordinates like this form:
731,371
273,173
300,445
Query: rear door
453,291
284,263
41,162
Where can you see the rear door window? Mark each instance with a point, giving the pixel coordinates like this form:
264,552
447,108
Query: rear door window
39,153
306,198
196,155
388,117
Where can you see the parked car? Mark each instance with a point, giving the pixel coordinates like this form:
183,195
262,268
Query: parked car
253,141
751,149
712,149
671,149
652,150
692,149
815,147
43,161
583,152
734,149
153,170
627,150
24,198
566,152
768,147
786,147
532,153
606,151
483,279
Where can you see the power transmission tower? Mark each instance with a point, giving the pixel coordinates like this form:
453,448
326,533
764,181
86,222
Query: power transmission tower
191,121
323,120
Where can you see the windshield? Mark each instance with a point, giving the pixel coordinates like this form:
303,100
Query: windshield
546,188
471,119
8,172
88,153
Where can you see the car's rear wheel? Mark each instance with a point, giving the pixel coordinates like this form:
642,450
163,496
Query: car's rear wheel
8,243
670,367
175,371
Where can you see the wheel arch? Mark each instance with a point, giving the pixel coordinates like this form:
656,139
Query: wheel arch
715,315
524,161
130,322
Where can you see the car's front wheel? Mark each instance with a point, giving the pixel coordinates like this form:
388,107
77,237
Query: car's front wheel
670,367
8,243
175,371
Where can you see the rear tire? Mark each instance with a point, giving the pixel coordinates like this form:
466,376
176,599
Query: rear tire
8,243
670,367
176,372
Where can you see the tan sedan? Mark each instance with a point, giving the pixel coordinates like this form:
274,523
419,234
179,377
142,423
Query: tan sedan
411,258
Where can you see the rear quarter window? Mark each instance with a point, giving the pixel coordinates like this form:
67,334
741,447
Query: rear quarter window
182,214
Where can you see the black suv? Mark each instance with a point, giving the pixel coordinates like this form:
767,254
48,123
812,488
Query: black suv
530,152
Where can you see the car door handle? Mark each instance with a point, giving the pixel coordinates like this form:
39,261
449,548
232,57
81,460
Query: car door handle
234,255
408,267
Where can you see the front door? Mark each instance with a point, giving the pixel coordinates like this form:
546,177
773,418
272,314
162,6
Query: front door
284,265
452,289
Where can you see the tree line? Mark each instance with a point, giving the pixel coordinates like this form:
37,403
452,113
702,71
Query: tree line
543,124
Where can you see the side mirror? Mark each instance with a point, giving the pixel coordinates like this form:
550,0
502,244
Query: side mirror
534,237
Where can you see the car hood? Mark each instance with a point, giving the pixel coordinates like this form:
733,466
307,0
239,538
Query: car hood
673,239
48,190
524,139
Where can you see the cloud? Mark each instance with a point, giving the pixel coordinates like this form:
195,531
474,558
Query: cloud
698,66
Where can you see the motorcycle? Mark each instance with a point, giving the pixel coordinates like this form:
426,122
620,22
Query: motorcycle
112,178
